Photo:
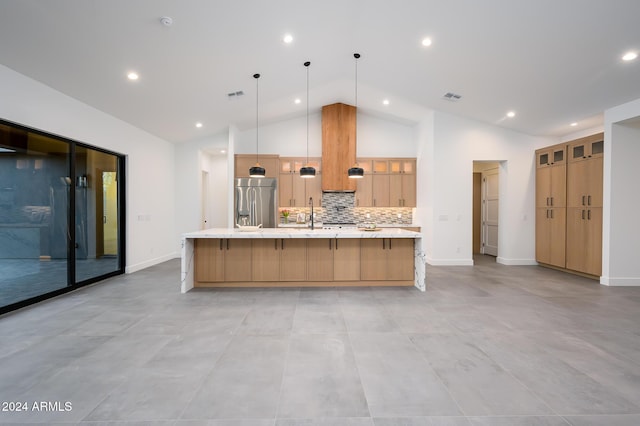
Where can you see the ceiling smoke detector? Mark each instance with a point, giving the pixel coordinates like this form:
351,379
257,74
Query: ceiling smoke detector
167,21
235,95
450,96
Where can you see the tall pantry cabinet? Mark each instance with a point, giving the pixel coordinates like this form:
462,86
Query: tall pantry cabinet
569,205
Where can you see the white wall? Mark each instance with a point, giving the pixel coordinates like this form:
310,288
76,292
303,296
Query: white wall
457,143
621,228
190,160
375,138
150,163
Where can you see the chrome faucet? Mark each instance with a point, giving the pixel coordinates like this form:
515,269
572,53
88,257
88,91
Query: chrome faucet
311,204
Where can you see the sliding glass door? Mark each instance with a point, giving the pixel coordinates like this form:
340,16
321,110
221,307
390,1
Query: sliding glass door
61,210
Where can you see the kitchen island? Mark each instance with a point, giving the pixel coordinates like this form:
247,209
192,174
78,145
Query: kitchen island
281,257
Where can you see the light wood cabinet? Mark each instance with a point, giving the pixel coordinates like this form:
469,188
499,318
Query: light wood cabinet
222,259
243,162
279,259
237,259
402,190
569,181
295,191
387,259
338,146
551,236
240,262
584,240
381,187
387,183
209,261
292,190
333,260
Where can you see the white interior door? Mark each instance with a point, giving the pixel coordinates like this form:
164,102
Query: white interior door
490,212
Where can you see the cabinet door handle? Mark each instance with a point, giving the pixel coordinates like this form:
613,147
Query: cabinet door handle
220,243
551,214
589,214
399,202
282,244
589,200
227,243
389,243
547,213
329,243
583,200
374,202
383,244
547,201
582,214
336,244
275,244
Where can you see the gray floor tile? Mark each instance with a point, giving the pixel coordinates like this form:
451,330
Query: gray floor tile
397,380
610,420
478,384
245,383
421,421
518,421
338,421
318,316
321,379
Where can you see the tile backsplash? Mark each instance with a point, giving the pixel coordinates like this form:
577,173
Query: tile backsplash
339,207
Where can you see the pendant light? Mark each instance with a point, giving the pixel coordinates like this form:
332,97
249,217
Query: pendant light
356,172
307,171
256,171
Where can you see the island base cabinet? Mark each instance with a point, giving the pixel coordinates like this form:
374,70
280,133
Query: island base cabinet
278,259
209,260
293,259
333,260
237,259
346,260
320,259
387,259
289,262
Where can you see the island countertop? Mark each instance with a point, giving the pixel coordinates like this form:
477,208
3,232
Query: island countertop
302,233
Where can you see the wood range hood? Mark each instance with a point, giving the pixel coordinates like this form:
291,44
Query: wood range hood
338,147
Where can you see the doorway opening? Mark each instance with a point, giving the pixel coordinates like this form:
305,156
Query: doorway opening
486,202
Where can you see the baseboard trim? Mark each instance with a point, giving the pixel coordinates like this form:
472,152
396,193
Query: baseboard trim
620,282
130,269
449,262
516,262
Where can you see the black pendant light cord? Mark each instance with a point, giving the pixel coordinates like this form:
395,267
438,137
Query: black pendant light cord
306,64
357,56
256,76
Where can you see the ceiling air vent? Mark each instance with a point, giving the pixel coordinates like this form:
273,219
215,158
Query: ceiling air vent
235,95
450,96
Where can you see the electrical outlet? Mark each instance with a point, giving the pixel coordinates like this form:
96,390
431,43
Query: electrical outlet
399,215
368,216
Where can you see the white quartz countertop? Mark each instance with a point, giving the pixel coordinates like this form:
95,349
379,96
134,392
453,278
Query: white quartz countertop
302,233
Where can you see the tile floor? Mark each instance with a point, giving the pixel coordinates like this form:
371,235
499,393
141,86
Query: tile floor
485,345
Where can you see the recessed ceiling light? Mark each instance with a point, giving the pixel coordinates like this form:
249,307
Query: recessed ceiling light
288,38
574,124
630,56
222,151
511,114
426,41
198,125
133,75
297,101
386,102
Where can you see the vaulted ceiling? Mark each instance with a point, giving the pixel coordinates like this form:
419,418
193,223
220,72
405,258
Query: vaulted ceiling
552,62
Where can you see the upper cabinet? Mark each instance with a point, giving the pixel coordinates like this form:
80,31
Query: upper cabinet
586,148
243,162
338,146
295,191
387,182
551,156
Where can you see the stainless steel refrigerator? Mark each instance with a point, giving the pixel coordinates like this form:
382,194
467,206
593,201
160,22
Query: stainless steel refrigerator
255,202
